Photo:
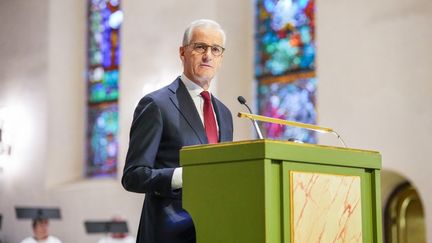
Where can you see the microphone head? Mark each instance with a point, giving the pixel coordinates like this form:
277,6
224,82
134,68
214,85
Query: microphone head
241,99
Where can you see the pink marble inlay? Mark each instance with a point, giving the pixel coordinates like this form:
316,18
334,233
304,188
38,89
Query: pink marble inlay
325,208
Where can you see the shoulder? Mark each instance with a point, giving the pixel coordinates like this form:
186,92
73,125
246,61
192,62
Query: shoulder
158,99
164,92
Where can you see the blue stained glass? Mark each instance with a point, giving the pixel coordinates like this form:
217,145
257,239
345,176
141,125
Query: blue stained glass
303,3
292,101
305,33
284,27
114,2
307,62
270,5
103,141
117,57
285,64
111,78
103,91
107,50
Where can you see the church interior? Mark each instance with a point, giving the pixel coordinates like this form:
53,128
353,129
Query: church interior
371,71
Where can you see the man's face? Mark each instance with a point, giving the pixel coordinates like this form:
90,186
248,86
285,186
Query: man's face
202,67
41,229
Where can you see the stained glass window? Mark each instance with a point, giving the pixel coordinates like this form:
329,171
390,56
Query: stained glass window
285,65
104,21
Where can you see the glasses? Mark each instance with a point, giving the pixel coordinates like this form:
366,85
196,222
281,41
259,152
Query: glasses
201,48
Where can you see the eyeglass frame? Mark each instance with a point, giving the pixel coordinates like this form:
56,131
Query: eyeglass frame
206,47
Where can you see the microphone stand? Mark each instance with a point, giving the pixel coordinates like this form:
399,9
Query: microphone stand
254,122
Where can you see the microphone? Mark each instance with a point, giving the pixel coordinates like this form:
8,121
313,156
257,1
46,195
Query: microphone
242,101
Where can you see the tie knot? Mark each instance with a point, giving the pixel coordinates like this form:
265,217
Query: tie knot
205,95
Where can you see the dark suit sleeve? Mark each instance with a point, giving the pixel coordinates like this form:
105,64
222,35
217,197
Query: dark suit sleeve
140,172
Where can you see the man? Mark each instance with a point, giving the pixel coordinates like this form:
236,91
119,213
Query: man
41,234
166,120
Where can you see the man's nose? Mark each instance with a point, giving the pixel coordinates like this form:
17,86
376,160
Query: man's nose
207,55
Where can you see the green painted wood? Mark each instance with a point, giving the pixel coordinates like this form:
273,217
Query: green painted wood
239,192
377,213
367,217
286,203
273,201
226,201
280,150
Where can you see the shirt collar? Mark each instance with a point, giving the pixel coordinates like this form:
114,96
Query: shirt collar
192,87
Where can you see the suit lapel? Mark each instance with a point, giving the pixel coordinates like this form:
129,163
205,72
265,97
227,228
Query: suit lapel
220,120
184,103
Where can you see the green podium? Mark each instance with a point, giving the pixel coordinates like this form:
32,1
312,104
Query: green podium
267,191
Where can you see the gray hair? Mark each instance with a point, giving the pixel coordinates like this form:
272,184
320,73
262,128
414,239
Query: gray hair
206,23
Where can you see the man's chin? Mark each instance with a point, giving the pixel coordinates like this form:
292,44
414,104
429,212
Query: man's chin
203,80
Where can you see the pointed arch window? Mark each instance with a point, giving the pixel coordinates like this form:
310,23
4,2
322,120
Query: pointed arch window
103,62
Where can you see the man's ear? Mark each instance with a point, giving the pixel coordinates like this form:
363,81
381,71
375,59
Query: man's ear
181,53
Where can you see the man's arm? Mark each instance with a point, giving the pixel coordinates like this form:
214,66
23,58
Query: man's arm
139,174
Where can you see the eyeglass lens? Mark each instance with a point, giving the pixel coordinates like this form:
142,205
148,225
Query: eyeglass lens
202,48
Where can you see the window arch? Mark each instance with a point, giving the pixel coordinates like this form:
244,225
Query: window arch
404,216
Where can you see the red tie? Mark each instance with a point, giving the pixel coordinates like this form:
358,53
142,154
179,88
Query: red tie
209,119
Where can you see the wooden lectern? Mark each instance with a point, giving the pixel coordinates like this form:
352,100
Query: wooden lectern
266,191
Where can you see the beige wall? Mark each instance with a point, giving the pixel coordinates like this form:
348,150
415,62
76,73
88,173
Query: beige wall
23,65
374,67
43,80
374,84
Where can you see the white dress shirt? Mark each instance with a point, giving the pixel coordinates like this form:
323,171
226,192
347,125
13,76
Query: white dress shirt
195,93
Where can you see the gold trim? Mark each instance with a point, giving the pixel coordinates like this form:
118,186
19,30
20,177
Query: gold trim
285,122
403,216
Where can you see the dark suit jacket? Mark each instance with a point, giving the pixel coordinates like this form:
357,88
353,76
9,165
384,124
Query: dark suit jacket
165,121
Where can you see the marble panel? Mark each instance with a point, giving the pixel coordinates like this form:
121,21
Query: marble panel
325,208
